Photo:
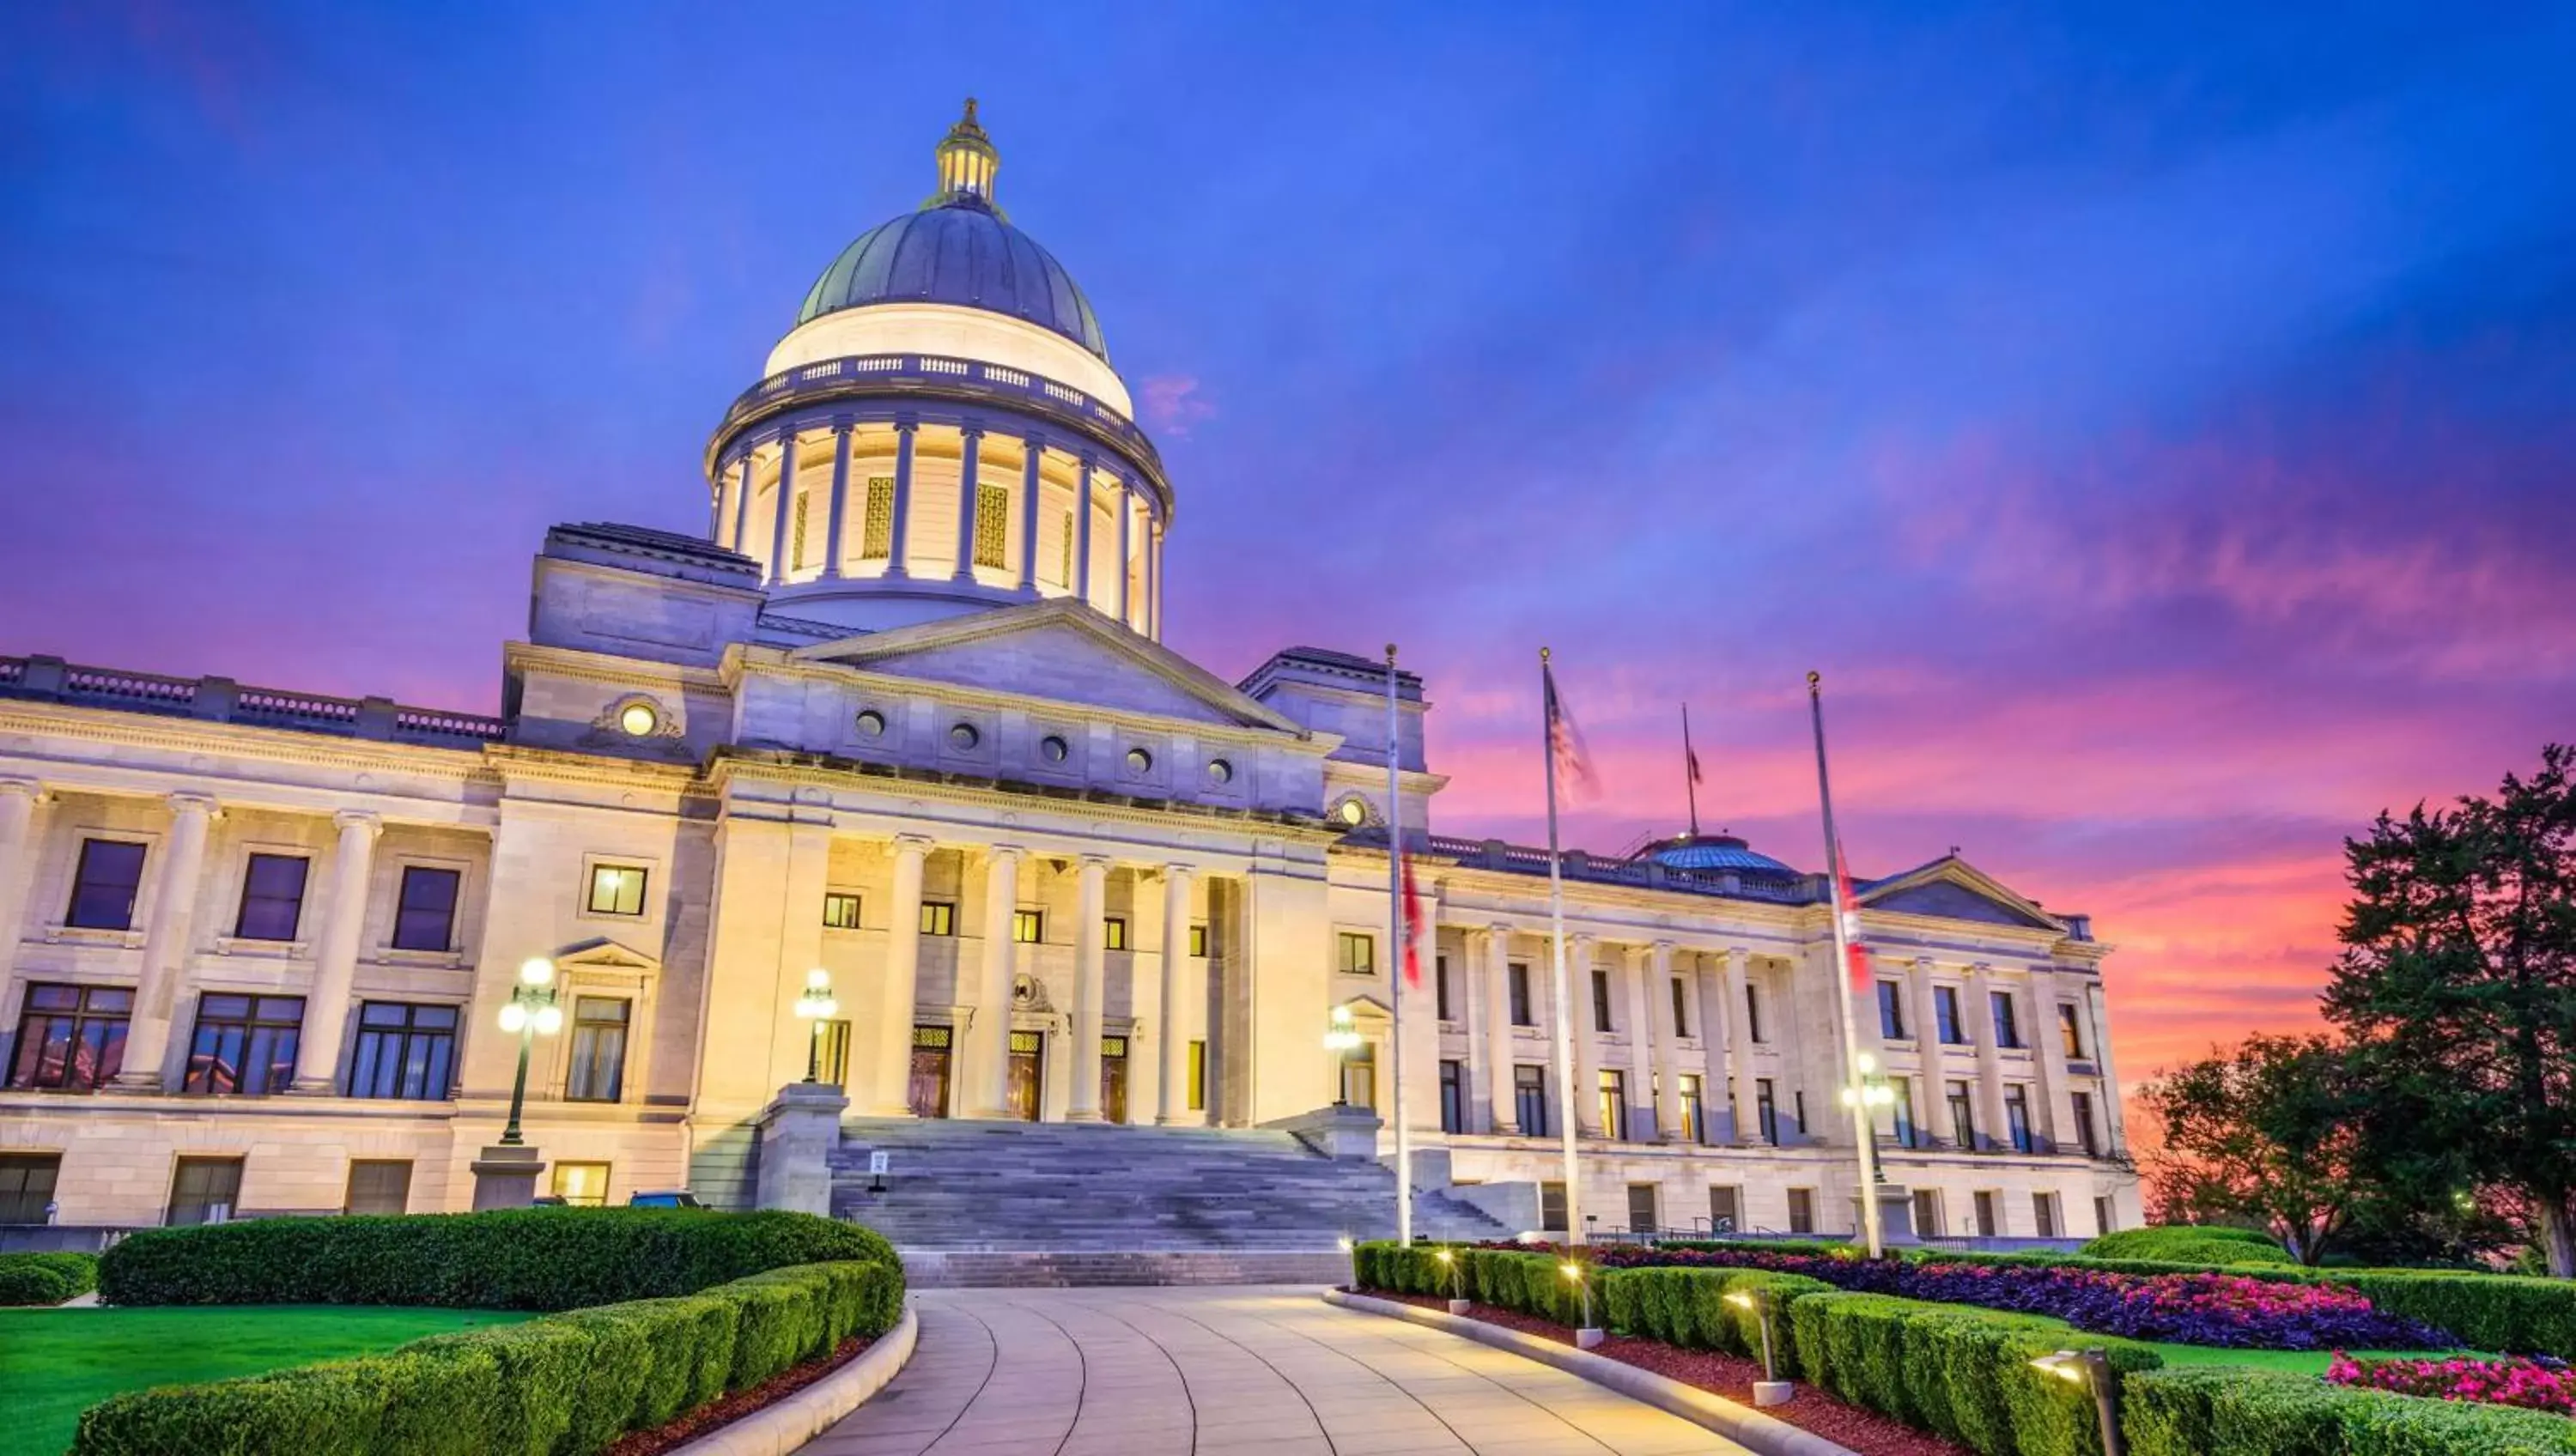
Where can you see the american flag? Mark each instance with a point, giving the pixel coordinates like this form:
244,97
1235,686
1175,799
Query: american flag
1412,927
1565,745
1848,907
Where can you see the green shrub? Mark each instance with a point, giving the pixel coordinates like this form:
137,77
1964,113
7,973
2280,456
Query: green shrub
562,1385
2504,1312
536,1258
2220,1411
46,1278
2189,1244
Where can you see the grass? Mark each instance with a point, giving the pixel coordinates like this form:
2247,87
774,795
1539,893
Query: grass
56,1363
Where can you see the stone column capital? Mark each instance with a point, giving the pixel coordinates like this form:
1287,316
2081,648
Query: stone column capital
906,422
1738,958
1002,853
970,430
189,802
32,790
1100,862
842,425
366,819
911,844
1180,869
1500,929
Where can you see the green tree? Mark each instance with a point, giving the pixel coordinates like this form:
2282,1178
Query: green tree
2459,977
2269,1133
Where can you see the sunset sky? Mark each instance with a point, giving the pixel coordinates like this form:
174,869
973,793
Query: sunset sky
2159,429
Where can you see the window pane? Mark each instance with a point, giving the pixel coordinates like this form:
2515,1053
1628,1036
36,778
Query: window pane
104,885
598,1065
272,897
841,912
938,917
378,1186
426,917
616,890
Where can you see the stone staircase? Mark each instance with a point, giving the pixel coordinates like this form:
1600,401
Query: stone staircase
987,1203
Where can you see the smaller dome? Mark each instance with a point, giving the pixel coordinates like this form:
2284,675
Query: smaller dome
1714,853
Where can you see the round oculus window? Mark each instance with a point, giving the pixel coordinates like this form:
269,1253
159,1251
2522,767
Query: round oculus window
964,736
1353,812
1139,761
1053,749
638,719
1219,771
871,723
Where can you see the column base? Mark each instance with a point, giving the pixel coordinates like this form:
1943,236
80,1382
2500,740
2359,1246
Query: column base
1084,1114
506,1177
313,1087
146,1084
900,1109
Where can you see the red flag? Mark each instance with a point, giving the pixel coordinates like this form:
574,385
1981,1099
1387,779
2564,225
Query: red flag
1849,909
1412,927
1565,746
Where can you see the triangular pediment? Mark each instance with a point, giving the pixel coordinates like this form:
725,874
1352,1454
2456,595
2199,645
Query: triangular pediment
1949,888
1060,652
599,953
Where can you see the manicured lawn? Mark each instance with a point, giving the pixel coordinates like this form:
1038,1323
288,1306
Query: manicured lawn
2293,1362
56,1363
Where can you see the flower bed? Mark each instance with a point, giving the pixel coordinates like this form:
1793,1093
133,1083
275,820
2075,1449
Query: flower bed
2196,1309
2534,1384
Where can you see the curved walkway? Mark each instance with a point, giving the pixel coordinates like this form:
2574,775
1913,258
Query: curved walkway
1227,1372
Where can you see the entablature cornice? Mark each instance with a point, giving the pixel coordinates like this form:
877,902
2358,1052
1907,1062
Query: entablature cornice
582,665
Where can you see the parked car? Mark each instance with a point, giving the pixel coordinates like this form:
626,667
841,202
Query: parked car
677,1198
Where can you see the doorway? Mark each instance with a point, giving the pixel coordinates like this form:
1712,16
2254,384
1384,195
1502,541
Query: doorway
927,1090
1028,1074
1113,1078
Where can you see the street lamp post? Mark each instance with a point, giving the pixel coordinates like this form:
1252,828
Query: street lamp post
531,1012
1341,1038
816,1006
1588,1335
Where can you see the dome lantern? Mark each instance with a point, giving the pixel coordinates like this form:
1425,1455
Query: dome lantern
967,162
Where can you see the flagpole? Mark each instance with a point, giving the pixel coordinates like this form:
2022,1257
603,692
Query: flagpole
1556,938
1690,772
1399,943
1855,1092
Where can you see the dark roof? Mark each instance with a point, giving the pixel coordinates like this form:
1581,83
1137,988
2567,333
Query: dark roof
957,251
1713,852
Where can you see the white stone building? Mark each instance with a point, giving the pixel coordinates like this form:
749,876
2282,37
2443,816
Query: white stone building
914,727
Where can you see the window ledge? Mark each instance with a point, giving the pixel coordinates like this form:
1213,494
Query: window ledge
255,948
58,934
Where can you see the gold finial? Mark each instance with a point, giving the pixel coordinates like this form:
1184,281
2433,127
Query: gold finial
1390,654
970,111
1815,680
967,161
1542,654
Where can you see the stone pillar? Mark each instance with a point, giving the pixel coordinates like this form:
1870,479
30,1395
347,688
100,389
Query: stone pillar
837,537
1980,1014
902,970
18,801
1090,957
335,963
165,943
742,505
1082,534
1587,1037
2097,1003
782,526
970,447
1126,509
1739,1049
905,427
1640,1093
798,1134
2056,1109
1153,574
1716,1027
1929,1068
1171,1089
989,1075
1668,1049
1032,455
1498,1031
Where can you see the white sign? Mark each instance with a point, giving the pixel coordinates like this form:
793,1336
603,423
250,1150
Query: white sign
877,1163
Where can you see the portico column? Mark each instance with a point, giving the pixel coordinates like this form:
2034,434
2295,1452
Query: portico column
1168,1091
2056,1109
989,1076
1639,1093
1089,953
1739,1049
902,974
2098,1009
1032,453
1716,1025
904,429
1587,1037
1980,1013
780,527
335,964
1504,1091
1668,1047
1126,509
970,448
742,504
840,500
165,942
1082,534
18,801
1153,574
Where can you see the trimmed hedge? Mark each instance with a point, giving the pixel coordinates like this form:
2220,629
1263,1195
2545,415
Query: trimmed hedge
46,1278
2189,1244
534,1258
561,1385
2216,1411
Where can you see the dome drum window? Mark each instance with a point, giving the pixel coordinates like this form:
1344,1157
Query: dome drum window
870,723
638,720
964,737
1053,749
1139,761
634,717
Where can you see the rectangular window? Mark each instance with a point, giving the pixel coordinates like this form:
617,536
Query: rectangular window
1358,953
1681,1007
1753,1015
1766,1108
1614,1105
840,912
2007,1023
1064,573
27,1185
597,1071
1551,1206
204,1190
796,547
2043,1212
876,527
244,1044
104,885
1891,1011
1963,1118
938,917
1694,1113
1927,1213
1198,1076
2084,1134
71,1038
2017,1117
1440,989
1601,1001
832,1052
1945,1009
1802,1210
1798,1100
1724,1208
1113,933
1902,1110
425,912
272,899
582,1185
1517,975
404,1050
2070,1029
378,1185
1988,1225
1028,927
926,1080
2103,1221
1198,940
1453,1097
1529,1100
992,524
616,890
1642,1214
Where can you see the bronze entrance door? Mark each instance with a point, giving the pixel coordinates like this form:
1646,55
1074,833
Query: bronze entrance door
1028,1073
928,1090
1113,1078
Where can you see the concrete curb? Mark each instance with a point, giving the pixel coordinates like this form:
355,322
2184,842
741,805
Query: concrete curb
1767,1435
775,1430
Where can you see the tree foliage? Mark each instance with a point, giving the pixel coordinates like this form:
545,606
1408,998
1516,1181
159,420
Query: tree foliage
2268,1133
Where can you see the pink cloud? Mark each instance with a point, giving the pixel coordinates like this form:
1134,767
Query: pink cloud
1172,404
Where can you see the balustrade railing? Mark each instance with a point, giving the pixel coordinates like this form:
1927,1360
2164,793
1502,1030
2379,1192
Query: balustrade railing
221,700
1002,381
1574,864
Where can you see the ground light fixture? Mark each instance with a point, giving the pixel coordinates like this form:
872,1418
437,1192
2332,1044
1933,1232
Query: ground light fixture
531,1012
1457,1279
2091,1368
1590,1334
1770,1390
816,1006
1341,1038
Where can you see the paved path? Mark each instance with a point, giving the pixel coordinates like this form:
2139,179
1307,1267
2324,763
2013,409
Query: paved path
1228,1372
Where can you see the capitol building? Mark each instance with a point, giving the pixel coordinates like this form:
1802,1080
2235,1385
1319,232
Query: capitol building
901,724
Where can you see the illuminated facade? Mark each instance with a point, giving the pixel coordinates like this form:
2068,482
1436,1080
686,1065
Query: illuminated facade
903,715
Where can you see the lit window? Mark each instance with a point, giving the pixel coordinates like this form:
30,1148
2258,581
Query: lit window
1198,940
992,524
796,547
1353,813
876,528
616,890
598,1067
1198,1077
639,719
582,1185
1115,928
1358,953
2070,1024
1028,927
840,912
1065,577
938,917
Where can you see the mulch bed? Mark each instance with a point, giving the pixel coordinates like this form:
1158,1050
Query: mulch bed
1864,1431
724,1410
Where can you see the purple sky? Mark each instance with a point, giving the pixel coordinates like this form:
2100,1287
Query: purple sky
2160,429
